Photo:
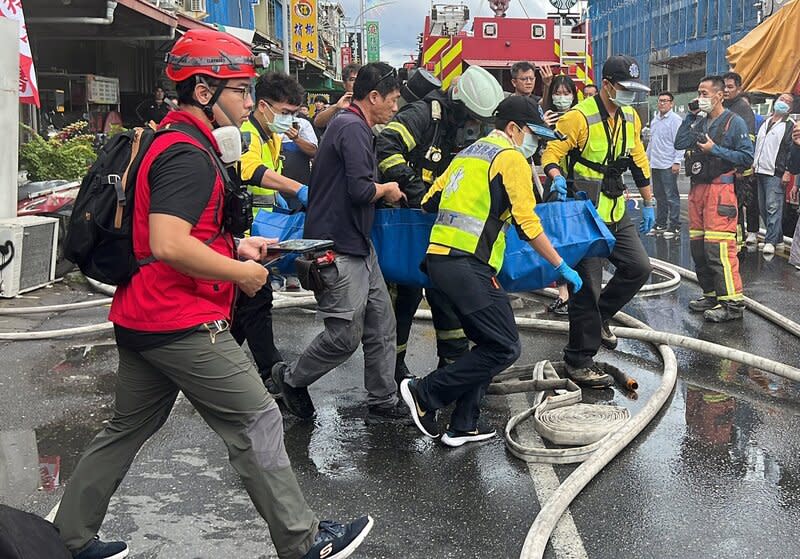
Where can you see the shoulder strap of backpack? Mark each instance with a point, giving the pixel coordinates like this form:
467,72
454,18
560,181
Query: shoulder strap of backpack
121,183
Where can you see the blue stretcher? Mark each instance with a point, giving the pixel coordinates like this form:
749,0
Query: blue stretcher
401,238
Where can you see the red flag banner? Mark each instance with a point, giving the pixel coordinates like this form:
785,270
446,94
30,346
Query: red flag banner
28,91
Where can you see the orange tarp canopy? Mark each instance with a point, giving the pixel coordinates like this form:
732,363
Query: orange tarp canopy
768,58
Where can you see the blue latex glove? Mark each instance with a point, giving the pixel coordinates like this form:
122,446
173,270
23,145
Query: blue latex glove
570,276
280,202
559,185
302,195
648,219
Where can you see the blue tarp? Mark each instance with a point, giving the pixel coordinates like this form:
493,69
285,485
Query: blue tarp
401,238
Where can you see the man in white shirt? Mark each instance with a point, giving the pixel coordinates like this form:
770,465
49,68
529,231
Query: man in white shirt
665,164
770,162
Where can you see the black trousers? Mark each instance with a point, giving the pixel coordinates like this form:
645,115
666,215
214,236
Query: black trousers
252,321
450,339
747,197
488,321
592,305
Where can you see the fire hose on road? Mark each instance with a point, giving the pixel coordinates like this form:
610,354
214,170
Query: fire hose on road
595,455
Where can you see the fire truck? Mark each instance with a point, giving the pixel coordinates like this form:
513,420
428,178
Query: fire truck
560,40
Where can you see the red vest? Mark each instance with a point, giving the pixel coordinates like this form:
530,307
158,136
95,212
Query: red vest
159,298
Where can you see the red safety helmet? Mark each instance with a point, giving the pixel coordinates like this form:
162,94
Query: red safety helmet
211,53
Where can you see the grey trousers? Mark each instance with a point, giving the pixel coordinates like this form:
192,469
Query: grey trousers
356,308
222,384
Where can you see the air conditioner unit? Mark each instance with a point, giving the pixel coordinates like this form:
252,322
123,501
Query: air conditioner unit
170,5
194,5
28,247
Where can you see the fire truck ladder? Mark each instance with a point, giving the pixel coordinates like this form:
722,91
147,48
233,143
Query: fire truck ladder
573,53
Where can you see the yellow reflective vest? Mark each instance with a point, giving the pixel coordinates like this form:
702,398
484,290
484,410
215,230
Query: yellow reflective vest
465,220
263,152
597,150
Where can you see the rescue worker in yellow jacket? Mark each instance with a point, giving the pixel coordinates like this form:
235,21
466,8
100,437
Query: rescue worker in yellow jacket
486,187
278,97
603,139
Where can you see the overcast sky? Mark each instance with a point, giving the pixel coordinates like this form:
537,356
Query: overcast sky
402,20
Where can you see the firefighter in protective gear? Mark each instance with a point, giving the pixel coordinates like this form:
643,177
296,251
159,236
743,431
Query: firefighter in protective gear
486,188
413,150
717,144
602,141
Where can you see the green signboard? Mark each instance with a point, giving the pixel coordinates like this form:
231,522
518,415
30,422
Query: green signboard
373,42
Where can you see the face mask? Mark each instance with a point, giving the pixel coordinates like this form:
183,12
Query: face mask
529,145
705,104
624,97
229,140
562,102
781,107
280,123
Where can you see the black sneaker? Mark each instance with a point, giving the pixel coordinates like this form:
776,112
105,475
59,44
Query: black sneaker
559,307
590,377
424,420
103,550
673,232
607,337
656,231
455,438
704,303
297,400
398,414
337,541
724,312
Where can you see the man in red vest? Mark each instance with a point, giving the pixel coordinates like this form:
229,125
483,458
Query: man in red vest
171,319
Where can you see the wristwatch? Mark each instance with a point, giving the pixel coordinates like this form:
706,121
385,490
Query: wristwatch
651,203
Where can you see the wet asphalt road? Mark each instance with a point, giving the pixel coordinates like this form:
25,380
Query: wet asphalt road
717,474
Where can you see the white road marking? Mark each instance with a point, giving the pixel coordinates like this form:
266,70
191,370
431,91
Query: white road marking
566,540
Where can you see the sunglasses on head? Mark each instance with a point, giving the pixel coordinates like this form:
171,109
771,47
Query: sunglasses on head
390,74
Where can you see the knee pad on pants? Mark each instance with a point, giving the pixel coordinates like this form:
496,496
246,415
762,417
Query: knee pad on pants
265,432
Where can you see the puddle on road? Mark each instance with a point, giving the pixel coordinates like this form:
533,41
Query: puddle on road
86,369
45,457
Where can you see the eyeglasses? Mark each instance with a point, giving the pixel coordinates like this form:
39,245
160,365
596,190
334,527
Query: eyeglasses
390,74
280,111
665,101
243,91
526,79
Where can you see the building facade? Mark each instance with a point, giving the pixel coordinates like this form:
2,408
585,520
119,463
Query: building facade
676,42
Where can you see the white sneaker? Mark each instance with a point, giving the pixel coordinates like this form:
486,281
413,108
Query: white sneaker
751,239
769,248
760,246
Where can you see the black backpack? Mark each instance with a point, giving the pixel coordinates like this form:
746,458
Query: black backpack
27,536
99,238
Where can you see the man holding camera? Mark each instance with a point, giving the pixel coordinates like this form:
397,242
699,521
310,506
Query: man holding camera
602,140
716,145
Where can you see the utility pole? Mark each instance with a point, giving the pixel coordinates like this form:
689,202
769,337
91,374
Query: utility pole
361,30
287,27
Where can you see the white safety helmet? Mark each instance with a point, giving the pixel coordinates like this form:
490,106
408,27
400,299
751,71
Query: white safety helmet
478,90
